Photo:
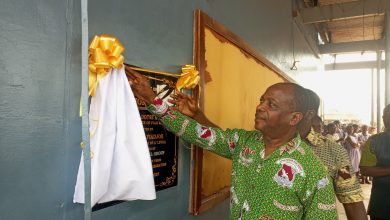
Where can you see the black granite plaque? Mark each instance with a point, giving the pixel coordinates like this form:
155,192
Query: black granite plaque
162,145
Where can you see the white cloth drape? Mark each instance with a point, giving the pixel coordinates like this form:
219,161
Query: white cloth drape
121,167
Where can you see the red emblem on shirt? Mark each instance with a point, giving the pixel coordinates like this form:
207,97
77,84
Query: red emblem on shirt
286,175
232,142
246,156
206,133
157,101
286,171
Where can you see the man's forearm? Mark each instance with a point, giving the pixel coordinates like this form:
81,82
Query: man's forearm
201,118
375,171
355,211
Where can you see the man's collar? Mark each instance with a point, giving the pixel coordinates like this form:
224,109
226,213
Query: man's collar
292,145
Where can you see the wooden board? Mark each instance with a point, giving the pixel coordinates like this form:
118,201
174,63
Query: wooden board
233,77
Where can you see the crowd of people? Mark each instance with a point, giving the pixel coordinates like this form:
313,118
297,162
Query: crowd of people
351,136
289,166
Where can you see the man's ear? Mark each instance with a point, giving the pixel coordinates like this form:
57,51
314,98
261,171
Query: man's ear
296,118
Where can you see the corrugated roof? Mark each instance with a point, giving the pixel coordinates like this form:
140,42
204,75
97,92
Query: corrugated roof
340,29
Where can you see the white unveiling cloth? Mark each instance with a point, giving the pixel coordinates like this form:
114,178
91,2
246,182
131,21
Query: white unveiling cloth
121,167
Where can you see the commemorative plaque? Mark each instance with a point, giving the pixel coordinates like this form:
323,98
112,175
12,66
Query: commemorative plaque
162,143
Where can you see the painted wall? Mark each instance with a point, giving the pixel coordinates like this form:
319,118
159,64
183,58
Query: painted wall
39,123
40,80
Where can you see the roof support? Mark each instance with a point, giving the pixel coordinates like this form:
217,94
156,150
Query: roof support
378,92
387,59
367,45
373,96
343,10
353,65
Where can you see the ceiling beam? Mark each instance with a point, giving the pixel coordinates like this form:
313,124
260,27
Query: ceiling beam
310,41
356,46
353,65
343,10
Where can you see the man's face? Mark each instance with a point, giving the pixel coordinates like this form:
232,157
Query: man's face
355,128
349,129
338,126
331,128
275,113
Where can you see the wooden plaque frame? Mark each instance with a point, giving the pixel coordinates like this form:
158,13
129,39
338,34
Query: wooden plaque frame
198,202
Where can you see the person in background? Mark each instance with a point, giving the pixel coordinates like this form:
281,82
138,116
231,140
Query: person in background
336,160
375,162
340,130
352,146
363,135
331,132
275,175
338,127
333,155
356,131
371,130
362,138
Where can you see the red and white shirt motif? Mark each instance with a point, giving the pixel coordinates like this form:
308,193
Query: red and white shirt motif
326,206
286,175
232,142
171,115
161,108
206,133
291,208
246,156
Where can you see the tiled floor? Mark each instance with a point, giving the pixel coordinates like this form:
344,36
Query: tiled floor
366,193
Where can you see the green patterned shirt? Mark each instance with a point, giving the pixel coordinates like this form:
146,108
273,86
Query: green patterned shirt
291,183
338,164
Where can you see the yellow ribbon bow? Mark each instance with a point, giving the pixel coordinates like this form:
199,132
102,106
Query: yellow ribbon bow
104,53
189,78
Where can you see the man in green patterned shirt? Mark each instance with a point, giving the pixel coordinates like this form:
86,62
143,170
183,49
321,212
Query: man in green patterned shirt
275,175
333,155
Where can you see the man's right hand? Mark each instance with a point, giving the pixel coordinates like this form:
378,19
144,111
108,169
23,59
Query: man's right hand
140,86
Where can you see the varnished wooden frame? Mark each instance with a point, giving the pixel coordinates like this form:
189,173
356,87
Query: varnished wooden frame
203,21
